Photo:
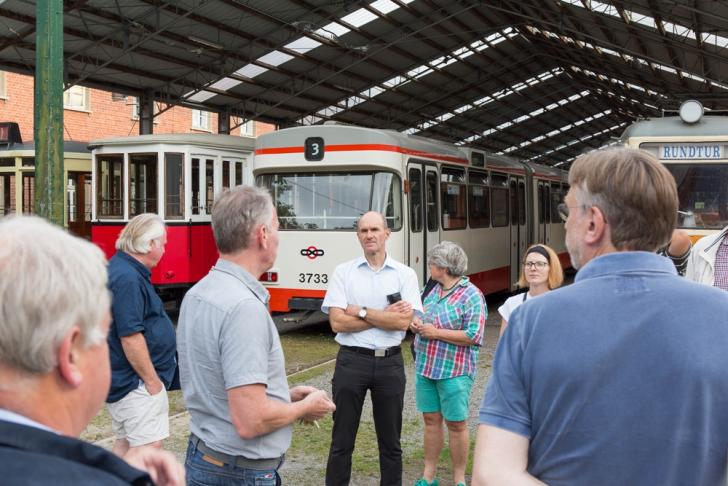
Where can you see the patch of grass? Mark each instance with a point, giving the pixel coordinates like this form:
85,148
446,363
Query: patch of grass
308,347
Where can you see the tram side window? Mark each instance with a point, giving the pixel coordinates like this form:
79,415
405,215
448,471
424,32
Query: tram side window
109,170
431,200
142,184
478,199
174,183
238,173
499,199
415,199
7,194
453,198
541,206
195,186
557,197
209,185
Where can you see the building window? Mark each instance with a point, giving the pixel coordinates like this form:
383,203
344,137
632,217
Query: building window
247,129
76,98
201,120
3,92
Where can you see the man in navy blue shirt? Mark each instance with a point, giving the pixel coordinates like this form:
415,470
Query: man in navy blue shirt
619,378
142,341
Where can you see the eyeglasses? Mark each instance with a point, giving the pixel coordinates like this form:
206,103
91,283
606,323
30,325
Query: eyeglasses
563,210
538,265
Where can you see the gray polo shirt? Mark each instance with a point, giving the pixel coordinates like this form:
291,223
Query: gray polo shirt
226,339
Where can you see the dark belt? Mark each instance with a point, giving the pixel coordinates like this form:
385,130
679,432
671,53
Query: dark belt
378,353
238,461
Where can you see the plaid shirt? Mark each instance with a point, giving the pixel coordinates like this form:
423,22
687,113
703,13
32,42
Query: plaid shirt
720,275
463,308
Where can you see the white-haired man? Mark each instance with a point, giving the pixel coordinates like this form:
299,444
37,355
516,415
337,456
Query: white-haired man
54,364
232,368
141,339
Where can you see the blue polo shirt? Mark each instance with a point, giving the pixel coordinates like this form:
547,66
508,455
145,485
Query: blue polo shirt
620,378
136,307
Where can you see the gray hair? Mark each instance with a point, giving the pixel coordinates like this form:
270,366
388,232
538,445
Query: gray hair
50,281
139,232
236,215
449,256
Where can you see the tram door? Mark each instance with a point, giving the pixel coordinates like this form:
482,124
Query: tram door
519,236
544,213
205,184
423,216
78,191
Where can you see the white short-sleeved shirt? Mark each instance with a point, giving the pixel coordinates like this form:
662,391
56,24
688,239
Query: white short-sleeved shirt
512,303
355,282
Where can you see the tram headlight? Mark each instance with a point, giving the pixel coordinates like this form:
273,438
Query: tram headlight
691,111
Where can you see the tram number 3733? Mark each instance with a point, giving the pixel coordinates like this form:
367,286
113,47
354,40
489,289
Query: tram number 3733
313,278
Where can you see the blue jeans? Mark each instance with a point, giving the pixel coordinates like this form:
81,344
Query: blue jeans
203,473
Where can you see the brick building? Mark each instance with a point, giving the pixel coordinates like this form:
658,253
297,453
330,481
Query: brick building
89,114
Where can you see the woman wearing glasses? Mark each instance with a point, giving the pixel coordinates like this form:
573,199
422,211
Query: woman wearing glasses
541,271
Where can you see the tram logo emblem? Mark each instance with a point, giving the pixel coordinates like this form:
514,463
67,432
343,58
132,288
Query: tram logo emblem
312,252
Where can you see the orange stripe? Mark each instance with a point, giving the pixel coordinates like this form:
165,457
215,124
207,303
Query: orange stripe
364,146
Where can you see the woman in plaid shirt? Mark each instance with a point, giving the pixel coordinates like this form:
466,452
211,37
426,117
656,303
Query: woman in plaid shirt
447,344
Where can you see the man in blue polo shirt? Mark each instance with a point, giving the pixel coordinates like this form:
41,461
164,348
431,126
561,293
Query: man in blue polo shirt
142,340
620,378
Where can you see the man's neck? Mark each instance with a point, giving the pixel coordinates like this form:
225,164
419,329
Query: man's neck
252,263
376,260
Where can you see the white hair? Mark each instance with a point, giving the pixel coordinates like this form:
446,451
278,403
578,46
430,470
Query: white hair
449,256
140,231
50,281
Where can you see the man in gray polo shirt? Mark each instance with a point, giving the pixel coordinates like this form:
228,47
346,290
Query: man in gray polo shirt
232,368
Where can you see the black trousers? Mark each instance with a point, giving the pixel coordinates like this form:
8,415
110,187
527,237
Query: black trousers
385,379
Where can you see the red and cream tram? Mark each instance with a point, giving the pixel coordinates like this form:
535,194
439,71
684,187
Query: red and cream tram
176,176
323,178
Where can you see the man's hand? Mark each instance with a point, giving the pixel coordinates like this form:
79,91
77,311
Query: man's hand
154,387
403,307
318,405
161,465
300,392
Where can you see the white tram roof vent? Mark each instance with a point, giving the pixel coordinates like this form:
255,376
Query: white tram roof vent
691,111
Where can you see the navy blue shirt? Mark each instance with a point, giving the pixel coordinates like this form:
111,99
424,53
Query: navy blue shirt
618,379
136,307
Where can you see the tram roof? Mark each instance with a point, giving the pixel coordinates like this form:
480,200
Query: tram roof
673,126
211,140
537,80
69,146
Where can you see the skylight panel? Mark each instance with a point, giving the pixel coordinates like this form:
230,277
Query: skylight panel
251,70
302,45
384,6
225,84
275,58
359,17
333,28
201,96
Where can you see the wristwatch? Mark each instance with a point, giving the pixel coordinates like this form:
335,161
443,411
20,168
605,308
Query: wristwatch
362,313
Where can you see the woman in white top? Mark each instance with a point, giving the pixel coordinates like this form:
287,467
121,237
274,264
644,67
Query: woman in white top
541,271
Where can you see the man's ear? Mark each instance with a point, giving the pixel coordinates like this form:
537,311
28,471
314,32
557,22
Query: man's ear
262,235
597,228
69,355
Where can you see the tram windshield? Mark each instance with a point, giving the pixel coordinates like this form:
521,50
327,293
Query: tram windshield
703,193
333,200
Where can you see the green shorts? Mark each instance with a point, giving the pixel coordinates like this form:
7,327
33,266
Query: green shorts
449,396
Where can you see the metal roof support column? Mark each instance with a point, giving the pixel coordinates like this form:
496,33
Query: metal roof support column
48,112
146,115
223,121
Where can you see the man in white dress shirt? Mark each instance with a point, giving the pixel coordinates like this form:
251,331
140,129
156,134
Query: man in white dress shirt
370,301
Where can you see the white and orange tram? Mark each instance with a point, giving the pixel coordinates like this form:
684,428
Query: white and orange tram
324,177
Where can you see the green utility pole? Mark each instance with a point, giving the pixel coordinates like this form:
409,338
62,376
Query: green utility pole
48,112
